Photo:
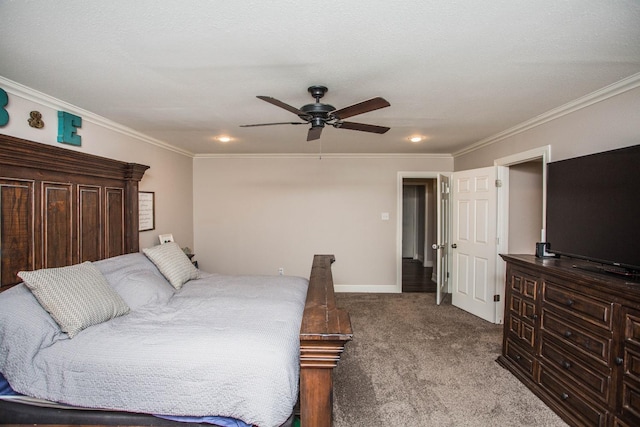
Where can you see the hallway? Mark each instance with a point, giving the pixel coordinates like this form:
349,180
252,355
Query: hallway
415,277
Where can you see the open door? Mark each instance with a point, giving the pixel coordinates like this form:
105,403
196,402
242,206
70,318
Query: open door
474,245
442,245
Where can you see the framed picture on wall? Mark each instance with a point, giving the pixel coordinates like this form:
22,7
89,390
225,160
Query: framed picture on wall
146,210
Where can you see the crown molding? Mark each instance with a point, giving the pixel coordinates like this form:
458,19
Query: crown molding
323,156
48,101
622,86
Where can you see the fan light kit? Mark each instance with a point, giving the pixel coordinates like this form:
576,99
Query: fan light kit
318,114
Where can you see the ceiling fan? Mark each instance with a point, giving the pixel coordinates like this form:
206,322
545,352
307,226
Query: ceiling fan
318,114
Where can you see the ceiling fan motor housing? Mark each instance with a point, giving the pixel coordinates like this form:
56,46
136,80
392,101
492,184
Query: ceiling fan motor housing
317,113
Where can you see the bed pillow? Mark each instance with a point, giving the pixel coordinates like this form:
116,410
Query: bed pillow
76,297
172,263
142,288
136,279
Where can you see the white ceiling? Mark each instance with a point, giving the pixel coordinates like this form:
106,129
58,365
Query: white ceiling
184,72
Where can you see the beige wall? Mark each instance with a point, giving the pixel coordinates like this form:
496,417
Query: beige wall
169,176
611,123
525,207
606,125
254,215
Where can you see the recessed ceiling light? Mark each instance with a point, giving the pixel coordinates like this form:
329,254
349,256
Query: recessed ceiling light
223,138
416,138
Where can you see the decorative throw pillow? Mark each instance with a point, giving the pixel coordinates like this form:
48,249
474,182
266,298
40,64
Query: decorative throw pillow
172,263
77,296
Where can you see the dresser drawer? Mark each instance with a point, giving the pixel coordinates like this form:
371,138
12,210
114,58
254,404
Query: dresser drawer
522,307
596,380
580,407
632,329
515,304
524,284
520,358
631,400
617,422
591,310
630,394
632,363
522,331
586,341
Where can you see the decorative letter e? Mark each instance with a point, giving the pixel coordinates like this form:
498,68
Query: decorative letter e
4,114
67,128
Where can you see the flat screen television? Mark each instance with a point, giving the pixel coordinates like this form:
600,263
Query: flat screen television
593,209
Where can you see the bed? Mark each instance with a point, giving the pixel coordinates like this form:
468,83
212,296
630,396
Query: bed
64,208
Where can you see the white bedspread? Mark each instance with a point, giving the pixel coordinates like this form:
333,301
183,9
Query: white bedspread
222,345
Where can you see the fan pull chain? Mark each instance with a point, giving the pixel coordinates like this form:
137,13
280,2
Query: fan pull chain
320,158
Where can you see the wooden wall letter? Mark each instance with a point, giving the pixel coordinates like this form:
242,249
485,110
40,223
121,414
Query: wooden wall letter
68,125
4,114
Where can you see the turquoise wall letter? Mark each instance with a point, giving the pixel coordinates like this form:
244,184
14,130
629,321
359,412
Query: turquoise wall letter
67,128
4,114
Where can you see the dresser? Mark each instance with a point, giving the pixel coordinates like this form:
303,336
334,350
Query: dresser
573,337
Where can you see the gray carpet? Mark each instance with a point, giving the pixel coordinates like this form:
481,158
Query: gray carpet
413,363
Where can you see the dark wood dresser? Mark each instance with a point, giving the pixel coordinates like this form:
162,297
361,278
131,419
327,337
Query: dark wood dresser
573,337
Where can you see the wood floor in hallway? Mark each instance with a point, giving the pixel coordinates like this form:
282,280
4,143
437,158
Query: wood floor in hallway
415,277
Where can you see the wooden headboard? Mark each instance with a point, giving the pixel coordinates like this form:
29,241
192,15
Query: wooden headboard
61,207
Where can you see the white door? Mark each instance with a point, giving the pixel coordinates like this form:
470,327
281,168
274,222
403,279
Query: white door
474,245
442,247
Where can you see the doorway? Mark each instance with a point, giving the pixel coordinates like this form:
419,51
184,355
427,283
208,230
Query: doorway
522,208
418,235
514,220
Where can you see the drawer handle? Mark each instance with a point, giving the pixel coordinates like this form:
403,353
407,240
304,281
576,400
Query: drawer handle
568,334
518,357
619,361
570,302
566,364
564,396
533,316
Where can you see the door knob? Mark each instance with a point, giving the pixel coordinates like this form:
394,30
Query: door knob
454,246
437,246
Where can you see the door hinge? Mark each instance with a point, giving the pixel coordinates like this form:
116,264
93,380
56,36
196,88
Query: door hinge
498,183
496,298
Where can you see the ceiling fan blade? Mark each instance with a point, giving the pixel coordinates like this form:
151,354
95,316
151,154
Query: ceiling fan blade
281,104
314,133
362,107
362,127
271,124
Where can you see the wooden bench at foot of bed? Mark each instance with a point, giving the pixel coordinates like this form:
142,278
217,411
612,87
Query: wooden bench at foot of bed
324,332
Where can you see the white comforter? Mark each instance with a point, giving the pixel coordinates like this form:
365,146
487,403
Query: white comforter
222,345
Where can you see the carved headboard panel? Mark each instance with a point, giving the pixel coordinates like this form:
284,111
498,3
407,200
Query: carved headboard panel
60,207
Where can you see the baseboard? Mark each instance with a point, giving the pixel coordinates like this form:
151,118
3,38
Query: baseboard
379,289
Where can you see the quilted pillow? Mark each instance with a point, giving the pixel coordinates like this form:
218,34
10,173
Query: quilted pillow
136,279
172,262
76,297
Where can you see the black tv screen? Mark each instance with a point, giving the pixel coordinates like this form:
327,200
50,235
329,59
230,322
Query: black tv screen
593,207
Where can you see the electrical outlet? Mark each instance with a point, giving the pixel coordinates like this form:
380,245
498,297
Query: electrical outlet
281,271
